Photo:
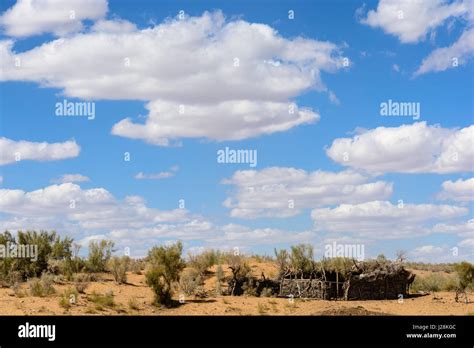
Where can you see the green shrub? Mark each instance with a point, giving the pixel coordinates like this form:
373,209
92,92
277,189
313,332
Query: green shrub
202,262
100,253
119,267
190,281
41,287
301,259
68,298
102,301
433,283
165,266
465,273
49,246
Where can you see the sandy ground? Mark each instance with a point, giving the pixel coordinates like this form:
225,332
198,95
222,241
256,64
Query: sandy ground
141,295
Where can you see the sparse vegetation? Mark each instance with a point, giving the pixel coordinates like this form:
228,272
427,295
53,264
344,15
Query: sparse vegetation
102,301
133,304
165,267
190,282
202,262
119,267
41,287
100,253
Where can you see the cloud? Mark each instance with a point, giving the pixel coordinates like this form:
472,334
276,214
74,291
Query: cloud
35,17
198,75
13,151
91,209
463,229
268,192
114,26
235,235
460,190
410,20
448,57
415,148
157,176
382,219
468,243
243,119
70,178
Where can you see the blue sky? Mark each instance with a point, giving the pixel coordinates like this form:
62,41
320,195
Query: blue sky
384,59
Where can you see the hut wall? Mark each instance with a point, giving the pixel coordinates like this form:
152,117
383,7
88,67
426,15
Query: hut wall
379,288
307,288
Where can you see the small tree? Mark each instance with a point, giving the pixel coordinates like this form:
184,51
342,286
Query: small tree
465,273
282,261
166,265
301,259
99,254
119,267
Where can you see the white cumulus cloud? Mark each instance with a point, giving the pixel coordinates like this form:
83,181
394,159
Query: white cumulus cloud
34,17
284,192
13,151
459,190
414,148
382,219
202,77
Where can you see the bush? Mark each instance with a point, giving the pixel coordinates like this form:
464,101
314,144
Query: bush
119,268
465,273
433,283
301,259
166,265
282,261
202,262
41,287
102,301
190,282
99,255
68,298
49,246
133,304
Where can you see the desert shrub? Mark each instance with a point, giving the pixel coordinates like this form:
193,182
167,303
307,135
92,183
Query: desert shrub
69,297
81,287
165,266
100,253
282,261
202,262
190,281
48,246
136,266
241,275
56,266
133,304
301,259
465,274
102,301
119,268
433,283
41,287
82,281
